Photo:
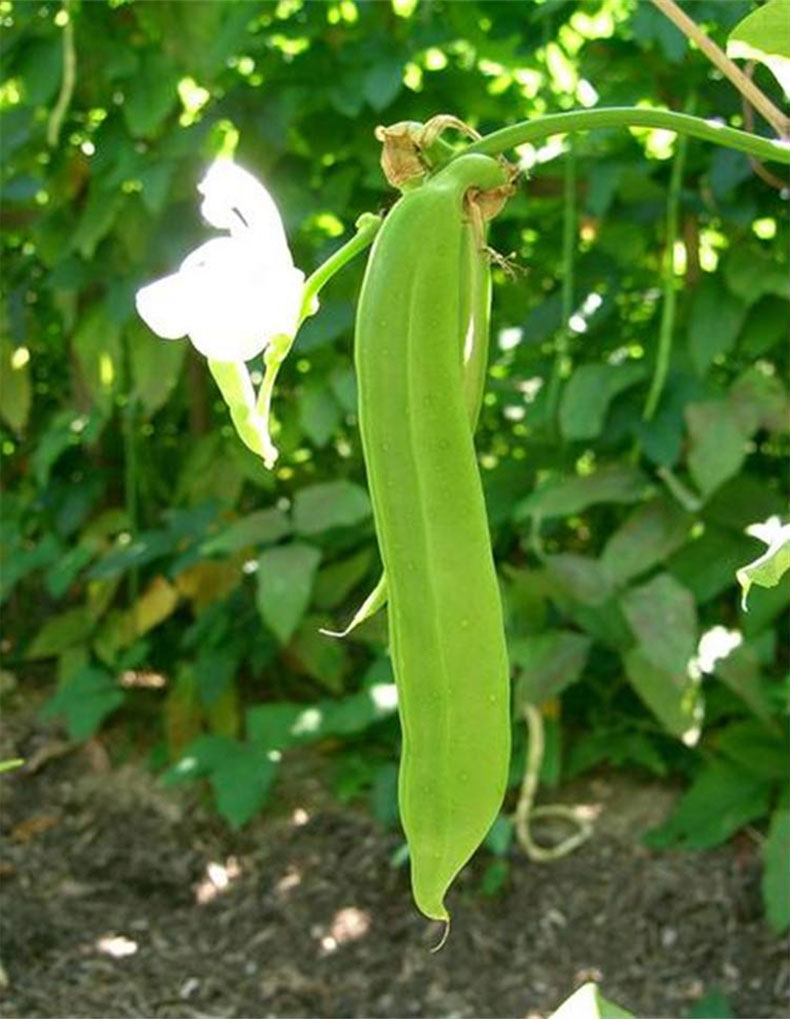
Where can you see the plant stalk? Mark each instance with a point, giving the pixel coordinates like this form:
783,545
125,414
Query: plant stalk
541,128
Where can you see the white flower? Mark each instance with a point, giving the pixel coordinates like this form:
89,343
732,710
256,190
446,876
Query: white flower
233,294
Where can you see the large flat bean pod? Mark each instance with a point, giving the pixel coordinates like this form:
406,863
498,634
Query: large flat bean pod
446,630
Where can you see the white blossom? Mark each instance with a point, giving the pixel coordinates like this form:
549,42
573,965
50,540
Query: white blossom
233,294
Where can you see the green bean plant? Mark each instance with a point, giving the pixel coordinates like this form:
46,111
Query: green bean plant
421,332
557,489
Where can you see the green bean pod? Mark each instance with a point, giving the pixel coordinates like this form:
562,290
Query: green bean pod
446,630
473,334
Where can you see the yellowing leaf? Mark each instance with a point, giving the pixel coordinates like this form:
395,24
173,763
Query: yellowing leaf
208,581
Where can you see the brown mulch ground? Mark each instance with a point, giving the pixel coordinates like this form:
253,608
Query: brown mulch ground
120,900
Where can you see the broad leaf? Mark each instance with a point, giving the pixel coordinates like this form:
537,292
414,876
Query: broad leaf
715,321
155,365
764,35
648,536
564,496
718,446
319,508
84,701
588,394
663,617
63,631
722,799
547,663
263,527
285,582
673,697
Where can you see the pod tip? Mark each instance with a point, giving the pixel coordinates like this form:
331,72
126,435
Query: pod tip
444,937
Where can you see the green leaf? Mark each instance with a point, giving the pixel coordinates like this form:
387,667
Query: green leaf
16,393
706,564
285,582
776,874
751,746
770,567
336,581
214,670
740,672
751,272
649,535
547,663
715,320
97,346
717,448
240,774
85,700
151,94
579,577
319,508
382,83
663,617
324,660
284,724
64,631
764,35
760,400
319,414
673,697
722,799
588,394
155,365
96,220
263,527
241,783
712,1005
566,495
589,1003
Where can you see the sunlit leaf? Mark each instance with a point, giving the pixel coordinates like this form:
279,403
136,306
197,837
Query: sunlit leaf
770,567
764,35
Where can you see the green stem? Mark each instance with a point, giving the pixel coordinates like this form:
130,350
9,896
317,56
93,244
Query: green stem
667,326
367,227
568,254
630,116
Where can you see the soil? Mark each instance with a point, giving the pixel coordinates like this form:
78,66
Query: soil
122,900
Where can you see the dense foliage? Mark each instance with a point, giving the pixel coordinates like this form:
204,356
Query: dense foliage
177,587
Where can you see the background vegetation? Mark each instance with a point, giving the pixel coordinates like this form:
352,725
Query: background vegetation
158,582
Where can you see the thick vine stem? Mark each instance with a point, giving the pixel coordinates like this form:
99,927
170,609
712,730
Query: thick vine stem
525,812
631,116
